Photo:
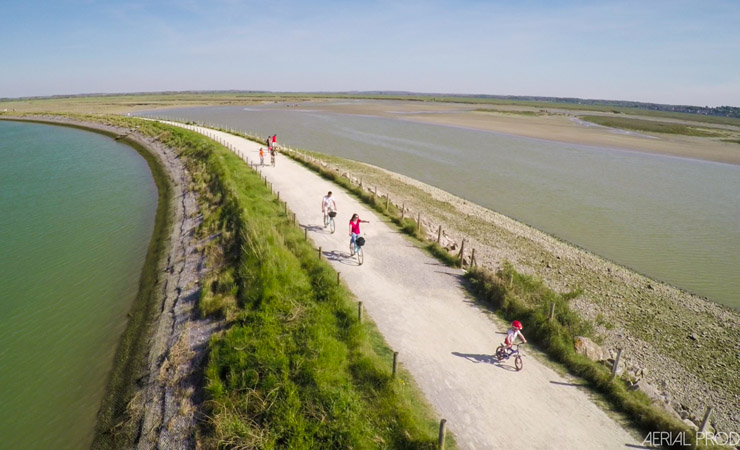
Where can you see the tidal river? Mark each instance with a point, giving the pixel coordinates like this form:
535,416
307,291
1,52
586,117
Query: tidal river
673,219
78,211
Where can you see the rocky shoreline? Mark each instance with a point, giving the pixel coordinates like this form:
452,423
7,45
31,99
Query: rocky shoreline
164,410
680,349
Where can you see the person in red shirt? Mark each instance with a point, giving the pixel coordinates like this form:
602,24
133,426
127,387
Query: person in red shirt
354,231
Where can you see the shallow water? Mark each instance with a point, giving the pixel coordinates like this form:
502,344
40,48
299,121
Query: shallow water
673,219
78,213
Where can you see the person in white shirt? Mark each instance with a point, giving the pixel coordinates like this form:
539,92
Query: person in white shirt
514,332
328,205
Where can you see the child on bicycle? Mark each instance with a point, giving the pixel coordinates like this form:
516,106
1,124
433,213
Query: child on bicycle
514,332
354,230
262,156
328,205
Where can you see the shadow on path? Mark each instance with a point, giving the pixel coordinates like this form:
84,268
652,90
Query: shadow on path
477,358
310,227
560,383
340,257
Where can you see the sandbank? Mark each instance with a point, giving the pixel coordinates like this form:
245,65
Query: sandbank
550,124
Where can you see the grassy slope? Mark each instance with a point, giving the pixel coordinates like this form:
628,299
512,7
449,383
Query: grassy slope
295,368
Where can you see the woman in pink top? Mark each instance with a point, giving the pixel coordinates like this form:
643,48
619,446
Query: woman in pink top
354,230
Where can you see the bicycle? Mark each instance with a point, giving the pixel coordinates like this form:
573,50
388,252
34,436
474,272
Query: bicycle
502,353
329,221
355,248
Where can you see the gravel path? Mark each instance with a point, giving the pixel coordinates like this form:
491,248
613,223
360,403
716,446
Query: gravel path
443,338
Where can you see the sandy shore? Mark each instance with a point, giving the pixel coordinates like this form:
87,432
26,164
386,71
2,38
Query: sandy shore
550,124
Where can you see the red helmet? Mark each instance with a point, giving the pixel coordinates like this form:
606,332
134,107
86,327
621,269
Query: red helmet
516,324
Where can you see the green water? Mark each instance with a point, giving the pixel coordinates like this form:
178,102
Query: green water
77,213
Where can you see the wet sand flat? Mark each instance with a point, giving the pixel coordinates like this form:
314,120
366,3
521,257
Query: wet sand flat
556,125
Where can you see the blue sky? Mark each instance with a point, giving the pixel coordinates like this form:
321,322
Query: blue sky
680,52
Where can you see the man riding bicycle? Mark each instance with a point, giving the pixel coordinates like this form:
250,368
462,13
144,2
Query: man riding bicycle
328,205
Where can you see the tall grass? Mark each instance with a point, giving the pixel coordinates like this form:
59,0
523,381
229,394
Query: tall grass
522,297
295,369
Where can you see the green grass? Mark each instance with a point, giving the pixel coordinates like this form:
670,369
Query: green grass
522,297
294,368
649,126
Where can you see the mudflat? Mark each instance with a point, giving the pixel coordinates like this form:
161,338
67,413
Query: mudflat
547,123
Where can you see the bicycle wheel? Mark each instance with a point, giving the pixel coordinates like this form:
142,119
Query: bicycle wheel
500,352
360,255
332,225
518,363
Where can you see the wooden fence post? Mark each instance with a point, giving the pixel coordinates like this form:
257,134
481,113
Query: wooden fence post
439,234
462,251
473,262
418,222
305,233
319,252
616,363
442,434
359,311
403,211
705,421
338,274
552,311
395,364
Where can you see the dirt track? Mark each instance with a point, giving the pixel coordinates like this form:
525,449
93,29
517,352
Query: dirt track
443,338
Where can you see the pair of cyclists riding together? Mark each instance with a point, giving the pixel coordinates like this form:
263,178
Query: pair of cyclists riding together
329,209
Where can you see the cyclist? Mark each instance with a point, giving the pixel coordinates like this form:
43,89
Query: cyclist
262,157
354,231
514,331
328,205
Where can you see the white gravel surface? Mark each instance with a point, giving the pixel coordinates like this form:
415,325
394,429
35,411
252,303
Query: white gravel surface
444,340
